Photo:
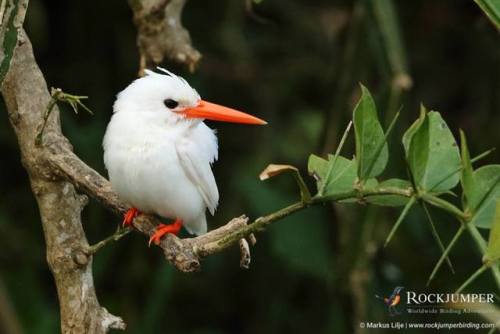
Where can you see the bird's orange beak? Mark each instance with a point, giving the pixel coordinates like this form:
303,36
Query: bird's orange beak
217,112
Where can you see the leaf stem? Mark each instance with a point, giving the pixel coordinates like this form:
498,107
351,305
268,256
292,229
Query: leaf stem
54,96
476,274
305,194
481,244
58,95
445,205
436,235
403,214
260,223
482,155
337,152
119,233
446,252
380,145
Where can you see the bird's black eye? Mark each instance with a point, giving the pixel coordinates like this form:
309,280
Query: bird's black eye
170,104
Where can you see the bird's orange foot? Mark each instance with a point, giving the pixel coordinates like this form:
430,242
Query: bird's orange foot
163,229
128,218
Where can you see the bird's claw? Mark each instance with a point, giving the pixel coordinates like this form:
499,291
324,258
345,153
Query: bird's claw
163,229
129,216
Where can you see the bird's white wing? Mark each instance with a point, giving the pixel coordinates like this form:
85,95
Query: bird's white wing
196,154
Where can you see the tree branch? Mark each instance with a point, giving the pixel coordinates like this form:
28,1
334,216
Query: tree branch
184,254
12,13
160,33
26,96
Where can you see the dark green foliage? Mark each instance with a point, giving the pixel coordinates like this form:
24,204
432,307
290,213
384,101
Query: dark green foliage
435,167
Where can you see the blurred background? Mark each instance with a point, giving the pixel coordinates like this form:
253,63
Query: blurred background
296,64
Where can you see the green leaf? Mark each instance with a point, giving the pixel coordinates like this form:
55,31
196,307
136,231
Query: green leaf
432,154
371,184
317,167
466,177
331,165
342,176
390,200
492,9
482,199
371,147
408,135
493,250
418,150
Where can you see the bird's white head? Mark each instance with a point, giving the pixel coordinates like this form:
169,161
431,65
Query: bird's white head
172,97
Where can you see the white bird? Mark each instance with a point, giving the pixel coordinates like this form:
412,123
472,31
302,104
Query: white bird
158,152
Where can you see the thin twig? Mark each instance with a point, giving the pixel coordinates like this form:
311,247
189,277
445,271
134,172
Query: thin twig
445,253
447,206
483,248
471,279
401,217
436,235
482,155
119,233
50,106
334,160
58,95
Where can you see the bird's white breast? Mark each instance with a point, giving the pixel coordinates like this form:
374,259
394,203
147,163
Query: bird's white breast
142,160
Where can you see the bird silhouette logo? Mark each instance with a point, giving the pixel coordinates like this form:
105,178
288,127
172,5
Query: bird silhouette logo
392,301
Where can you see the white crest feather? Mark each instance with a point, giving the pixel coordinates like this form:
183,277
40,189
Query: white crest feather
149,72
167,72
